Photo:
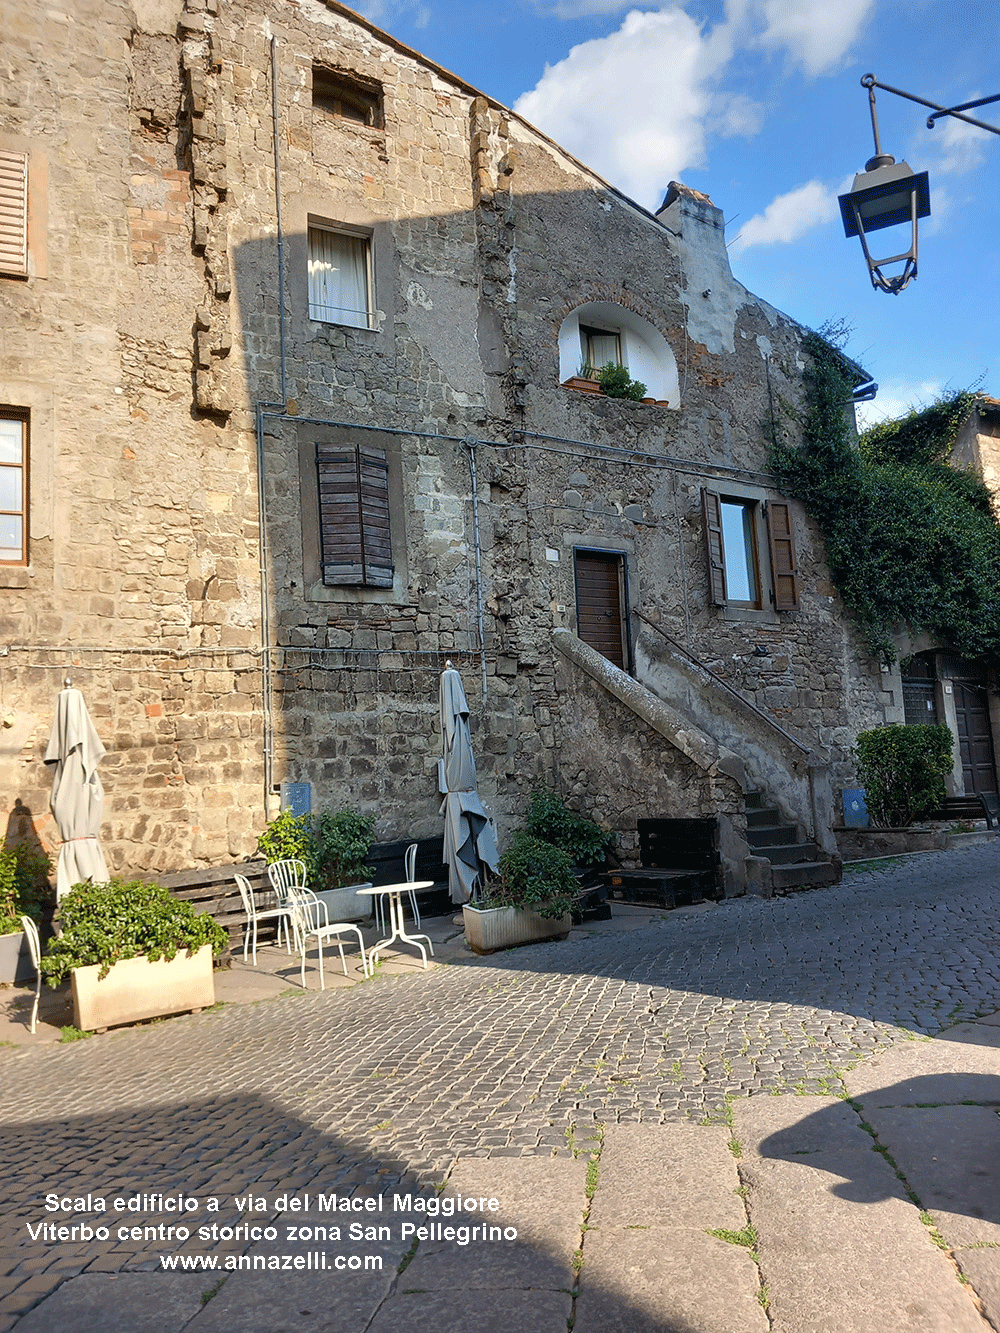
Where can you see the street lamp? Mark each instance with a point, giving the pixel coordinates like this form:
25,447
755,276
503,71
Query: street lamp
888,193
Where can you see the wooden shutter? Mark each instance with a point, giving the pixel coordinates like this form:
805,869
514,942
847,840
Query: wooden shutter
711,508
354,515
784,568
13,212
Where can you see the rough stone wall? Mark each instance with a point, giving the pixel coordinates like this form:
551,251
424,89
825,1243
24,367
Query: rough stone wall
174,314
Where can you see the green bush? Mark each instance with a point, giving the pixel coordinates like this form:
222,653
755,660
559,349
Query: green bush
333,847
902,770
536,875
550,819
342,842
106,923
24,884
289,837
616,382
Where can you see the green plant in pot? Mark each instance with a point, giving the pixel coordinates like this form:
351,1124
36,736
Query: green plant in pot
24,891
343,841
534,875
290,837
103,924
550,819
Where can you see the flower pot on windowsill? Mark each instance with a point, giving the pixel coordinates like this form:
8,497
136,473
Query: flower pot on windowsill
136,989
506,927
582,383
15,958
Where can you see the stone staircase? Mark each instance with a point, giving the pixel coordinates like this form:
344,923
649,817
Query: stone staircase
794,864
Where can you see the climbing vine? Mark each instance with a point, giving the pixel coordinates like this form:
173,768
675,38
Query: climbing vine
908,538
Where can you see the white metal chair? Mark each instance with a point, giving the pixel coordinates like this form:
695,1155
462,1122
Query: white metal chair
35,949
410,864
312,922
282,914
286,876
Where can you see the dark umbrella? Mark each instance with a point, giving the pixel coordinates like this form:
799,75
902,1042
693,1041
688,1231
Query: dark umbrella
470,844
77,800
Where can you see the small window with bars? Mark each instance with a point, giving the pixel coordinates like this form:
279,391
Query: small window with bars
355,541
13,489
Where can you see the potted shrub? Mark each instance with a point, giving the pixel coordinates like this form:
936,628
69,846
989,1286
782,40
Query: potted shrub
334,849
531,899
24,891
550,819
133,951
902,769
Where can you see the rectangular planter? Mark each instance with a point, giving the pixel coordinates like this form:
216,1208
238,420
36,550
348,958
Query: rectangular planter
136,988
506,927
344,904
15,959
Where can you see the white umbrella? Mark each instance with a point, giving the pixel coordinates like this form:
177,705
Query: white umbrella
77,800
470,844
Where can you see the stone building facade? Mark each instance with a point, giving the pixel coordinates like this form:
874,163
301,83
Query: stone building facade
294,343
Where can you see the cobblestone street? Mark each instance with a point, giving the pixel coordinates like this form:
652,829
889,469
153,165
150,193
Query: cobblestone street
523,1054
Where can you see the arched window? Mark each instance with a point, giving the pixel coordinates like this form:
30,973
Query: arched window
600,331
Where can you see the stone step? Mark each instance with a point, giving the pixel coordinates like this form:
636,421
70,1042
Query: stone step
768,834
812,873
768,814
785,853
754,800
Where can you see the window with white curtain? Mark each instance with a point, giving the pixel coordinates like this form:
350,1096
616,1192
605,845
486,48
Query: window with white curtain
13,489
339,278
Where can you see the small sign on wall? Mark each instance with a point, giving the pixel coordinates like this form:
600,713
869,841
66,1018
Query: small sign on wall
855,809
296,797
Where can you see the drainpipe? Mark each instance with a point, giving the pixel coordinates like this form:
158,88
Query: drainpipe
470,443
263,408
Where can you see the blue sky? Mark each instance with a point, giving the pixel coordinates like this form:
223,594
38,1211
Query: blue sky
758,103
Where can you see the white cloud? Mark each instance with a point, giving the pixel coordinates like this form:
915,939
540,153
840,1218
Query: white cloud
816,33
633,105
788,217
955,147
897,398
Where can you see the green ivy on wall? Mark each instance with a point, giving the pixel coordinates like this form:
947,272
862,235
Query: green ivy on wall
908,538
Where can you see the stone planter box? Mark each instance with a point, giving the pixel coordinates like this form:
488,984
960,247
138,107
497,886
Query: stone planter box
15,959
135,989
506,927
344,904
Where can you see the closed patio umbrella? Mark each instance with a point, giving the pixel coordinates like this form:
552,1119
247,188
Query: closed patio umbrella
470,844
77,800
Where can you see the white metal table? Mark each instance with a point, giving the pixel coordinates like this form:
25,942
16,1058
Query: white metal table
394,893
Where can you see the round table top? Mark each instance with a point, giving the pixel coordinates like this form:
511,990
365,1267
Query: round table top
398,888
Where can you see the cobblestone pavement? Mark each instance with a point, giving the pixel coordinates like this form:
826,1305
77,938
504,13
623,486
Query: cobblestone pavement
521,1054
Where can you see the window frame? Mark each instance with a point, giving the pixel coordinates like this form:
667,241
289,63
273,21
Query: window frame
12,414
351,233
352,483
590,366
770,530
336,89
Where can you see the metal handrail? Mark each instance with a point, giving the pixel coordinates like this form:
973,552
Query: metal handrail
725,685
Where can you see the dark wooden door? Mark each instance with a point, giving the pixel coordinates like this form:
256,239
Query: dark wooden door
975,737
600,604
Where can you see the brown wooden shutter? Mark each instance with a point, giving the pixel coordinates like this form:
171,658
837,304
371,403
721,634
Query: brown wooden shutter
784,568
711,508
354,515
13,212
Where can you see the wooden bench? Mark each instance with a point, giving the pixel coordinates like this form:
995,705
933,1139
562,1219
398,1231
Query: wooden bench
981,805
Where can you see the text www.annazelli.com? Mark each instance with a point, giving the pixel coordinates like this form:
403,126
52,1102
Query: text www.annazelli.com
313,1261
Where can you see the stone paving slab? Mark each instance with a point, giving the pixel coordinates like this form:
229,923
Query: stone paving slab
836,1231
961,1064
950,1156
120,1303
497,1310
